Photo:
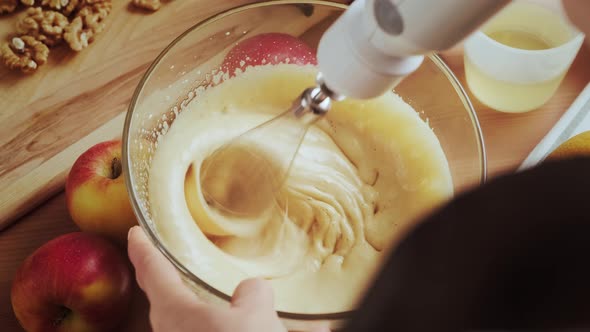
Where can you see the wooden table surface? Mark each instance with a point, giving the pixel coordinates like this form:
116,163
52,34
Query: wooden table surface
509,138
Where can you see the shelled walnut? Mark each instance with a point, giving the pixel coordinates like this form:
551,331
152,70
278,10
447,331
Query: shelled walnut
93,15
55,4
76,36
71,7
46,26
152,5
8,6
86,25
47,23
25,53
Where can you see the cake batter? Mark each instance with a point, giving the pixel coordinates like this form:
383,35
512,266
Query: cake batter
365,171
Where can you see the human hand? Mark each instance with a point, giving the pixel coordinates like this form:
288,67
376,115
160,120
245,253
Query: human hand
175,308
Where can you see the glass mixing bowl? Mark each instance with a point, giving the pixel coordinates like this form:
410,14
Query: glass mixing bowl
171,81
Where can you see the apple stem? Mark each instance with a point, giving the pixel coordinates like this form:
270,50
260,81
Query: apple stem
63,314
116,168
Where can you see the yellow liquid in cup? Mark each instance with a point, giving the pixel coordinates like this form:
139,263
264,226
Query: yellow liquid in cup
519,39
508,29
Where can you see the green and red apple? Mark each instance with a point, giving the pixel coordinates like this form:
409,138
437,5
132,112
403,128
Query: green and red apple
96,194
78,282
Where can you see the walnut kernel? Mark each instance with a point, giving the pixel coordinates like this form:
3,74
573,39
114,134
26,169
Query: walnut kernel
76,36
28,3
18,44
46,26
8,6
71,7
94,15
86,25
55,4
152,5
25,53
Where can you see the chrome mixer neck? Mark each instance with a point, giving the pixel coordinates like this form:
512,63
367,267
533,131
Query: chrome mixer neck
315,101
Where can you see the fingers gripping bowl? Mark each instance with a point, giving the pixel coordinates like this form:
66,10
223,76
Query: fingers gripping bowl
371,184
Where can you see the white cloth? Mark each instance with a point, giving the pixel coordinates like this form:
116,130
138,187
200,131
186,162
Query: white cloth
574,121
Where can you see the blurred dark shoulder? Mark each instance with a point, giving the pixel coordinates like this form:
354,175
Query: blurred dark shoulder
513,254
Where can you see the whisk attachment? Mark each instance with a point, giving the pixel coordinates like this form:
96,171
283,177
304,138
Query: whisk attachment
243,176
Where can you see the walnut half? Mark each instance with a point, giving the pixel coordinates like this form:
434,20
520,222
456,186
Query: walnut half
25,53
152,5
46,26
8,6
86,25
76,36
94,15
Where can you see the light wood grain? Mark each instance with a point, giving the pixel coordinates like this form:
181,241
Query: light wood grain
74,94
47,179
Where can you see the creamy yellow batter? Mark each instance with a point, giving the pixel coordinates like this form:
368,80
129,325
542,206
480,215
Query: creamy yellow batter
362,173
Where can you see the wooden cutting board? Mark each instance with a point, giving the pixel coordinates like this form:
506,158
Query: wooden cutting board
76,100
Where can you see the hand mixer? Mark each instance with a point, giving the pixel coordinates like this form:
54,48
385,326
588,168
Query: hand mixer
365,53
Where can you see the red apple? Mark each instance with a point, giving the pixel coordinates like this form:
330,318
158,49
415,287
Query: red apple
76,282
96,194
268,48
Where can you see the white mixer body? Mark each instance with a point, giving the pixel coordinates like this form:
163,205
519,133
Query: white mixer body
376,43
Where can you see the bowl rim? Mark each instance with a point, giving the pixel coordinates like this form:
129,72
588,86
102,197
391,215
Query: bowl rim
126,162
464,97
